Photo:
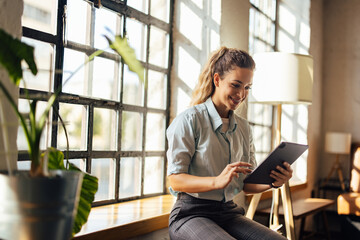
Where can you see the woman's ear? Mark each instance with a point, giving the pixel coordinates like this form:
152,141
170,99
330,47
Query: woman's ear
216,79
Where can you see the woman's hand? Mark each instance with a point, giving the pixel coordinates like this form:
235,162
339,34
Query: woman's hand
184,182
230,171
282,175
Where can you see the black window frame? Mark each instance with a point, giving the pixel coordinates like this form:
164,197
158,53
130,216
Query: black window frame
60,43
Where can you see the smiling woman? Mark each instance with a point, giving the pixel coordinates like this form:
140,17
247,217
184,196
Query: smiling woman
208,162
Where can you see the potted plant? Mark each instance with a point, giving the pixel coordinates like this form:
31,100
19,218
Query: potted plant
42,203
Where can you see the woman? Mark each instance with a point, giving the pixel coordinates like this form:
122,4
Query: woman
210,152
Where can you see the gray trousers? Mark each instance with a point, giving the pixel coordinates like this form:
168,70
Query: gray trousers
193,218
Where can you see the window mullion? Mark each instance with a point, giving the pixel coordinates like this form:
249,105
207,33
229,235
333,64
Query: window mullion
59,63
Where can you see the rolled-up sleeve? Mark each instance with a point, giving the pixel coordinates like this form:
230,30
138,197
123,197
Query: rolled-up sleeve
181,144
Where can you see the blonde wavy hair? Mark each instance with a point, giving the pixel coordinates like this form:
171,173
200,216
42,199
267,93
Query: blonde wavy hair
221,61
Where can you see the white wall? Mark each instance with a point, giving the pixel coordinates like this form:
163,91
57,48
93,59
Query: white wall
10,21
341,75
315,119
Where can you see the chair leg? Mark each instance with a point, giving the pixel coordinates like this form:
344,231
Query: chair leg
288,211
253,205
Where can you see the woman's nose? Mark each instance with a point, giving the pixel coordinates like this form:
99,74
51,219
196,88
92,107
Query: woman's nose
242,93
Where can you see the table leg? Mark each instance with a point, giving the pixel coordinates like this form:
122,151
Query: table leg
326,226
302,226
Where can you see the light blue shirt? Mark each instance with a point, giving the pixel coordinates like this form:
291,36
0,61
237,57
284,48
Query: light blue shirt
198,147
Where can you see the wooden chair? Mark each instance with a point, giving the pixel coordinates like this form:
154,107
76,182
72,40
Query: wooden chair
349,203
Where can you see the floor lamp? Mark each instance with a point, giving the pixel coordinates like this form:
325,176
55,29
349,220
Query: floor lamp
281,78
337,143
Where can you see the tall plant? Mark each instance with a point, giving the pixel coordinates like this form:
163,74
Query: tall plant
12,53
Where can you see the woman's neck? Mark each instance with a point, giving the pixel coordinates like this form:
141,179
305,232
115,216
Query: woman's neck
221,109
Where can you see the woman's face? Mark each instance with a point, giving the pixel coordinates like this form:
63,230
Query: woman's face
231,90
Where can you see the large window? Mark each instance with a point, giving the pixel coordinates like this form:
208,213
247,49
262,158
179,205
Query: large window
279,25
116,123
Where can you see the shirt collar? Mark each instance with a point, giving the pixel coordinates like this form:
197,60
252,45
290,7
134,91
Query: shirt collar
216,119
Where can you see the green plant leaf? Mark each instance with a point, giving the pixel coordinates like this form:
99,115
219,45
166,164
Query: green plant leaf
121,46
56,159
88,189
95,54
12,52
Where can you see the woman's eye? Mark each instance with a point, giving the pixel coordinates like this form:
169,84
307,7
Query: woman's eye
248,88
236,85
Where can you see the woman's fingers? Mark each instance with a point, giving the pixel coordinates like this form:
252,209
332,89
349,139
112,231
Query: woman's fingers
282,175
243,170
230,171
240,164
240,167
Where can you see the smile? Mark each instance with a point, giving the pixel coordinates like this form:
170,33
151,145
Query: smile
235,101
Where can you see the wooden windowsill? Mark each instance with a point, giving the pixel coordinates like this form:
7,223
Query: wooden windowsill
128,219
134,218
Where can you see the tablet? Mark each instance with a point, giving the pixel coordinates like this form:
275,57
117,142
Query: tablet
285,152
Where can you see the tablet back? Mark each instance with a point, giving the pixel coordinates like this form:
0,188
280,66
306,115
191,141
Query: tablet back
285,152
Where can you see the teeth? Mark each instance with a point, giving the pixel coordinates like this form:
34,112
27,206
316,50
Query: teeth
237,101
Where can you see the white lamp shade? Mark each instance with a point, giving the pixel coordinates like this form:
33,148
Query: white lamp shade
282,78
337,142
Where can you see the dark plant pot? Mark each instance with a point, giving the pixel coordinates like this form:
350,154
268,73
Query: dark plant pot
39,208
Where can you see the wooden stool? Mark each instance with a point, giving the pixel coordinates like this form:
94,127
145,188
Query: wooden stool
303,208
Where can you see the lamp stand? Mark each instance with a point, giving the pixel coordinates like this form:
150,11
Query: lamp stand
336,166
285,194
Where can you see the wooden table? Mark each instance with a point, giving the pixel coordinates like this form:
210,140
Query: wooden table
303,208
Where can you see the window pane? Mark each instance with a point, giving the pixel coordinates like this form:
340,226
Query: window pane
260,114
157,90
40,15
131,139
106,79
141,5
104,170
262,138
130,177
75,119
191,25
256,45
160,9
159,47
266,6
23,165
106,21
78,27
44,57
23,106
80,163
155,132
153,182
104,129
76,84
133,92
285,42
263,28
136,32
287,20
